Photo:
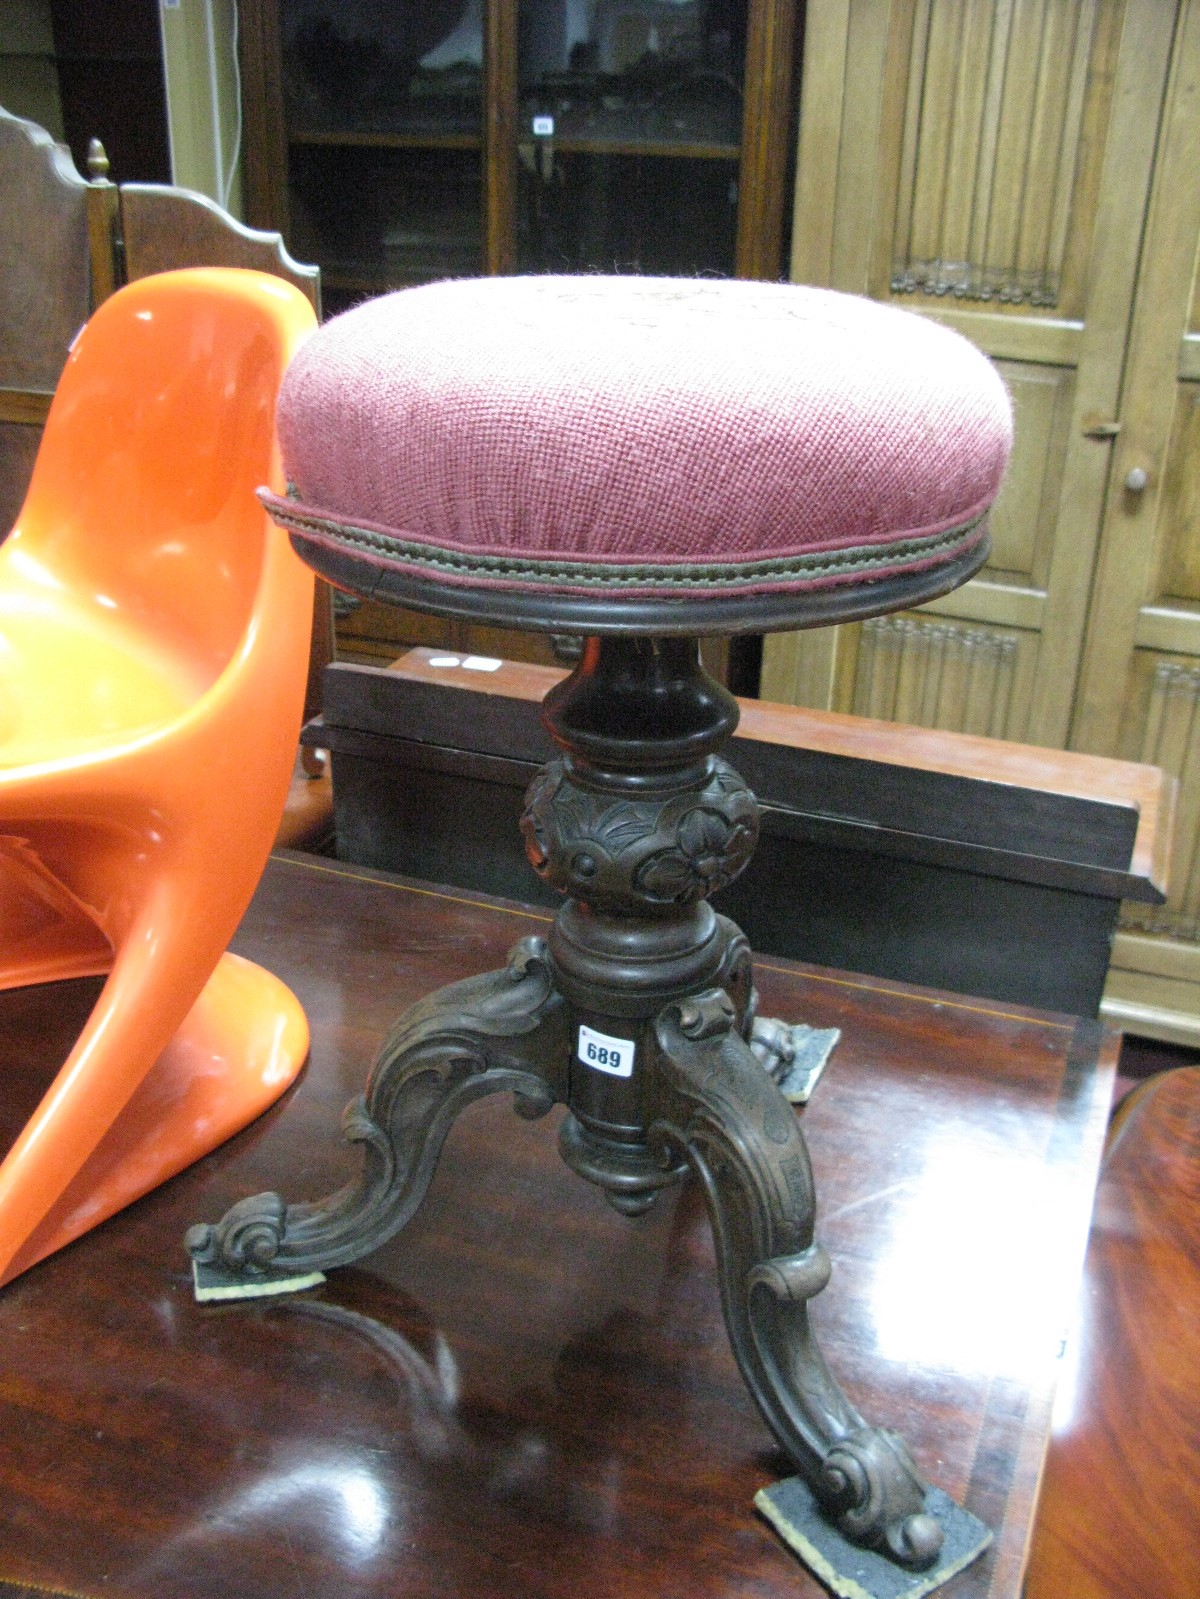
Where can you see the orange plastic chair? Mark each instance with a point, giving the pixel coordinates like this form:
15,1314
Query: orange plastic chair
154,638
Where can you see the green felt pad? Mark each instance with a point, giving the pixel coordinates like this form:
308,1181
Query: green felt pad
854,1573
812,1048
211,1284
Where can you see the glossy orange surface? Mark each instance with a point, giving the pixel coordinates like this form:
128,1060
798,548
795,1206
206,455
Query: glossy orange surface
154,636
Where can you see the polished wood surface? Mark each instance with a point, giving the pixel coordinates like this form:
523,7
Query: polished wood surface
1120,1504
526,1394
1146,788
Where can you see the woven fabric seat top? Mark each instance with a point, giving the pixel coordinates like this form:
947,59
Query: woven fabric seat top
638,437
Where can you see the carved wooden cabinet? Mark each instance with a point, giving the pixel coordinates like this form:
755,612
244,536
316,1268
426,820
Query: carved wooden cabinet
1024,170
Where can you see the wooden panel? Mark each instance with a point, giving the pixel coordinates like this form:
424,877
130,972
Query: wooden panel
770,46
500,113
799,736
994,161
1161,725
793,727
999,163
1056,341
1179,502
169,228
822,88
940,674
996,603
1024,517
264,153
1171,630
1137,1001
1140,684
29,407
43,254
944,670
1143,545
995,165
18,451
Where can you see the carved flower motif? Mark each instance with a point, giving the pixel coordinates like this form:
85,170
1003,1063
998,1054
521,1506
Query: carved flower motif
535,819
710,852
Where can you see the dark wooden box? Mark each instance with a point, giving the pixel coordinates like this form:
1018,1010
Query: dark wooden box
957,862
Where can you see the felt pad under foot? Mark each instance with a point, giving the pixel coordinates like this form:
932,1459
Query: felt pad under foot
854,1573
211,1284
813,1046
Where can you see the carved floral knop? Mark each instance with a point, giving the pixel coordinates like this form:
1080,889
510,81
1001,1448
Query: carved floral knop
711,852
539,796
665,850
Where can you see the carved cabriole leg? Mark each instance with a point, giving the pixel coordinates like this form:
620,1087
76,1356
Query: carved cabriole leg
713,1103
504,1031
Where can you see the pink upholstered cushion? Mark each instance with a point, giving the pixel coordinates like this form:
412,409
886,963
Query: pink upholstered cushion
650,432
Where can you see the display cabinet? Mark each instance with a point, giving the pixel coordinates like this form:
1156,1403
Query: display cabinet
393,143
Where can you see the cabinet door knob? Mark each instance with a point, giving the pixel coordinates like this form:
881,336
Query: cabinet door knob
1136,479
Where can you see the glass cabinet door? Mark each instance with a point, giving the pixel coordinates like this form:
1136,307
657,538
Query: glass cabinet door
629,122
383,107
395,141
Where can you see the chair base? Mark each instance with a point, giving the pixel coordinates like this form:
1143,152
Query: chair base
239,1048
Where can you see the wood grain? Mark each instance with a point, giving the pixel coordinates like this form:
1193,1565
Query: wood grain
1121,1496
264,148
165,229
43,244
770,50
44,251
959,754
1135,559
526,1394
500,107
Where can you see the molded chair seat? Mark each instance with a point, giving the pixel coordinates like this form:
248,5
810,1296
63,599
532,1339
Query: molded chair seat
154,640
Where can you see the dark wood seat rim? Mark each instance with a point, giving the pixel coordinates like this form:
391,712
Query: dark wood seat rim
608,612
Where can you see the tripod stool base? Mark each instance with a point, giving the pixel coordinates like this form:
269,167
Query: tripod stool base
638,1013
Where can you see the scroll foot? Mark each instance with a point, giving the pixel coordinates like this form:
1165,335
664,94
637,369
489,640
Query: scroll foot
502,1031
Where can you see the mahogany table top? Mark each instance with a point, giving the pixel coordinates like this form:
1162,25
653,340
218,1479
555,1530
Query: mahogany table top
526,1394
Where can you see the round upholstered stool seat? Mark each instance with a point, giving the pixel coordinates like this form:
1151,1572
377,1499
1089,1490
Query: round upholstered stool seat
640,454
